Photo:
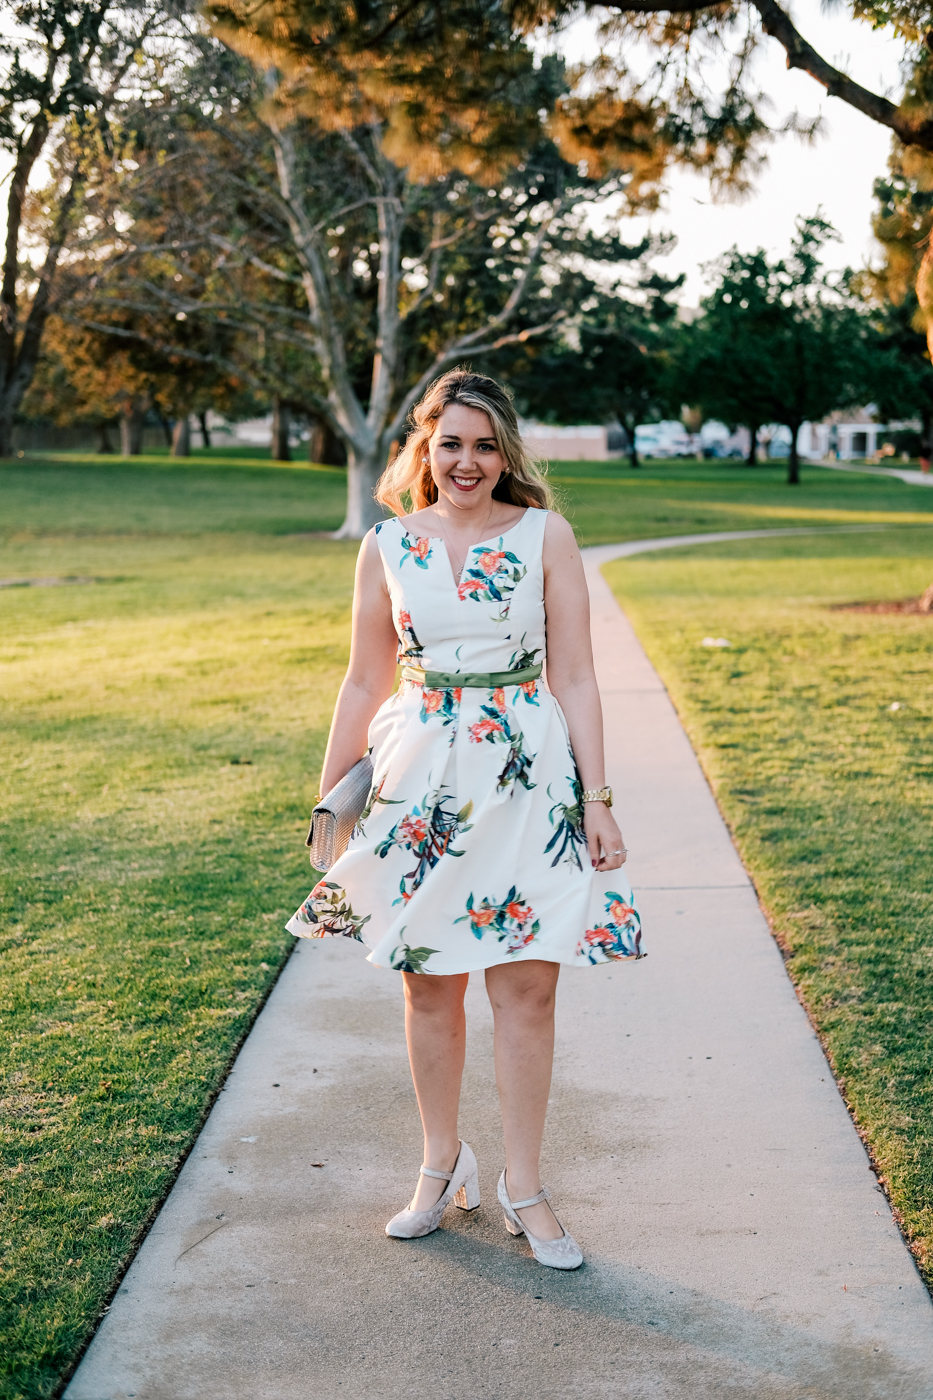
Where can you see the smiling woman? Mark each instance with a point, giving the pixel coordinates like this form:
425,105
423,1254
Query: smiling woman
501,854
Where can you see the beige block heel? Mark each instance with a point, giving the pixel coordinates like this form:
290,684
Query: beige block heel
467,1198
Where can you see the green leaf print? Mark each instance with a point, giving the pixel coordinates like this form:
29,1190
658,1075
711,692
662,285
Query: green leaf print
327,910
405,959
428,832
569,838
374,797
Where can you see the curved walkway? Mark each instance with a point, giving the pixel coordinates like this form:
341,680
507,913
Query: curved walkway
908,474
737,1243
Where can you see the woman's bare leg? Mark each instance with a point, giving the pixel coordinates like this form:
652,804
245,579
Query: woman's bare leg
435,1026
522,997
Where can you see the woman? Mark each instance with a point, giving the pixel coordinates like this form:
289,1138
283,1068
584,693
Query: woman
488,825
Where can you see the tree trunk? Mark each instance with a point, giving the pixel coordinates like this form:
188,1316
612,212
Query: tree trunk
181,437
205,430
324,446
317,441
629,426
793,460
364,469
6,432
104,444
132,417
281,423
752,459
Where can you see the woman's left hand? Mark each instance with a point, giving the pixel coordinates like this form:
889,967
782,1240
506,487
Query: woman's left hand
603,837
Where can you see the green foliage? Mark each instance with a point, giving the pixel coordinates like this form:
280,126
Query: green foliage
778,341
829,791
613,365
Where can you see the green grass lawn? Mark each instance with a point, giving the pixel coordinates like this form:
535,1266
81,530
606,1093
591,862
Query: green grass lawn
163,729
814,728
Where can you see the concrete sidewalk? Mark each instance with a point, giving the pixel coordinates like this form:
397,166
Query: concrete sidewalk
737,1244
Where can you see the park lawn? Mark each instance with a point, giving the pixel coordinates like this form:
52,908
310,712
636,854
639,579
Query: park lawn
163,732
164,724
814,730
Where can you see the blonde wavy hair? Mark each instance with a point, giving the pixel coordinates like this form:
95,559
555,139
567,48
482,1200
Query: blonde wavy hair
522,481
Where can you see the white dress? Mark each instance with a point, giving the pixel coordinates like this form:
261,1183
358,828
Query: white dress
471,851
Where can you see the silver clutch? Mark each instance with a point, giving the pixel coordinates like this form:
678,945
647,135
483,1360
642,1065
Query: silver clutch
336,815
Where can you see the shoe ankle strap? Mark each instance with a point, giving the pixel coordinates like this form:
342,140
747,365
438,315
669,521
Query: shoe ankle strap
543,1195
441,1176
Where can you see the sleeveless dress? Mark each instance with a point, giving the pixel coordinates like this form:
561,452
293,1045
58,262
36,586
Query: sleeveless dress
471,850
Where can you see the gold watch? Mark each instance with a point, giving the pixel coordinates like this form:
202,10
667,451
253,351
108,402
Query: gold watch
603,794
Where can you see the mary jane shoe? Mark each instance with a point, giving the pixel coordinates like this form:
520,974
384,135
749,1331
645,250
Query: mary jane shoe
556,1254
463,1188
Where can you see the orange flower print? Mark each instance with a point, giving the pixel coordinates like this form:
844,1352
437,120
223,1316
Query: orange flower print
485,729
617,938
409,646
413,830
471,588
418,549
498,699
531,691
445,704
490,561
513,921
492,575
621,912
429,832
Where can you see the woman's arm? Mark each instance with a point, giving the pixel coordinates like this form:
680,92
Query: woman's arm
371,672
572,680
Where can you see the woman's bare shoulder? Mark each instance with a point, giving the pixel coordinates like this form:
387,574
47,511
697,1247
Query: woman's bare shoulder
558,534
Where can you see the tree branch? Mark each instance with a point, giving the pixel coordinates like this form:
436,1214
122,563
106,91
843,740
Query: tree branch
800,54
913,130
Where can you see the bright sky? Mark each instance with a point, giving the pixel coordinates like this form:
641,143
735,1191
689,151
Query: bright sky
835,173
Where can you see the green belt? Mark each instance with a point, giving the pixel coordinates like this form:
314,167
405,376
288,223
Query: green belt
472,680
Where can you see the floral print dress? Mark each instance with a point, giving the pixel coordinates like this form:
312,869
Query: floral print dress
471,851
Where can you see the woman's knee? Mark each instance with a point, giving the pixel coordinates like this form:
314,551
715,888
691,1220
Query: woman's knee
524,989
434,996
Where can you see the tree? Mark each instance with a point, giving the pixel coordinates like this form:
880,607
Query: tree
64,67
699,104
613,364
778,342
358,245
902,224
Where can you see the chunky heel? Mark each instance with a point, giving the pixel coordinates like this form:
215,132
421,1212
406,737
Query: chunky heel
556,1254
467,1198
463,1187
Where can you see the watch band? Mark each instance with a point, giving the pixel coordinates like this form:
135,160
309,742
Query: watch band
603,794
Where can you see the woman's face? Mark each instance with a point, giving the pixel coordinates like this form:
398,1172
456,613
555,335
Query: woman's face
466,461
